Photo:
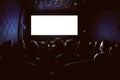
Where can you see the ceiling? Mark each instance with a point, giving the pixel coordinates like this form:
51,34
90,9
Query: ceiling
52,4
48,4
72,5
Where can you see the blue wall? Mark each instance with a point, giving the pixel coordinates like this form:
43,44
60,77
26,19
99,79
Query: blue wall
9,19
106,25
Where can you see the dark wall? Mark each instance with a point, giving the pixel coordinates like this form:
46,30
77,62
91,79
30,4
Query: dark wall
9,20
106,25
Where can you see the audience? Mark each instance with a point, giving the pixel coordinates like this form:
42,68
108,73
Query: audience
49,58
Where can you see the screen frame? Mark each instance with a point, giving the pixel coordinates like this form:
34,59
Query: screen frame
55,15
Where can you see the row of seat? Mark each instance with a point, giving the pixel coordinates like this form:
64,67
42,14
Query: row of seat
59,59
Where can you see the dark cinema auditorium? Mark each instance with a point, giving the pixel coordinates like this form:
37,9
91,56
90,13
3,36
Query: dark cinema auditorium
59,39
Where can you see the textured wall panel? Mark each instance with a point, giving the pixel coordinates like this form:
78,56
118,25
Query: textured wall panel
9,16
106,25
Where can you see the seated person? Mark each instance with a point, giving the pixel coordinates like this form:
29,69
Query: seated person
104,56
69,54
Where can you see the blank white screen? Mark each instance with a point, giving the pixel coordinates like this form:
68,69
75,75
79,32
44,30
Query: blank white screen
54,25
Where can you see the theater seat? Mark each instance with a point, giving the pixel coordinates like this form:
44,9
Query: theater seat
78,70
